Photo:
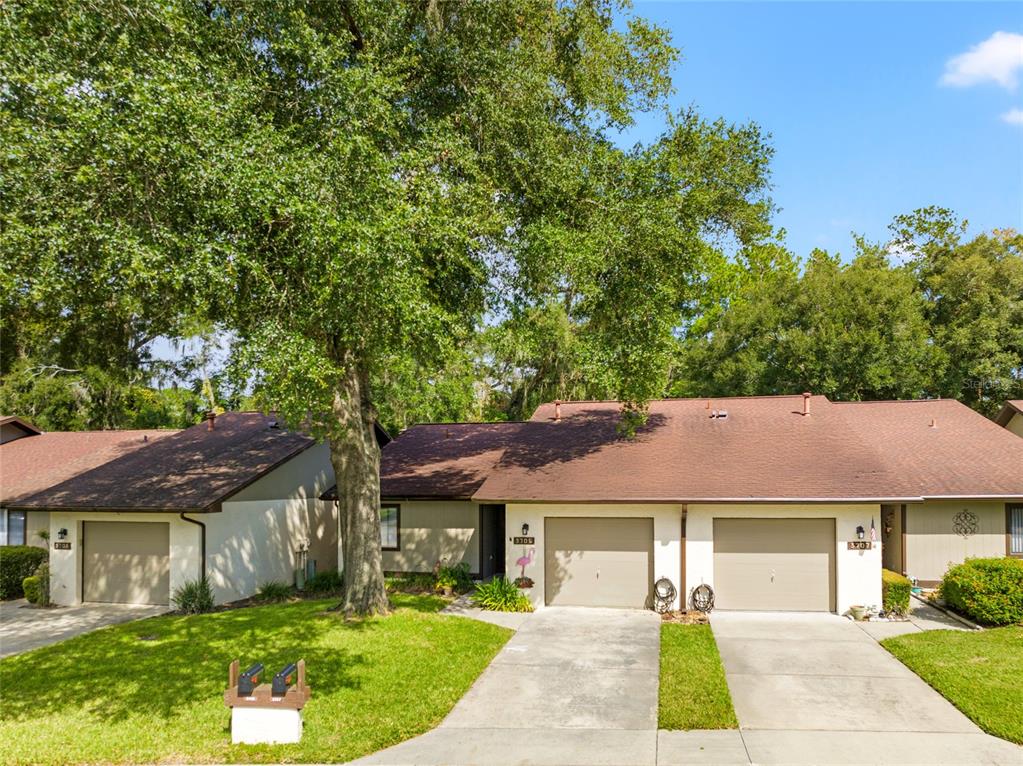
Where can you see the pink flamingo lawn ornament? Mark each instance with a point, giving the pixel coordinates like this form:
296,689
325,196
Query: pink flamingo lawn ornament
525,560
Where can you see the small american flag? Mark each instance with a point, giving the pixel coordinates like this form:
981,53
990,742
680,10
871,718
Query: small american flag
873,532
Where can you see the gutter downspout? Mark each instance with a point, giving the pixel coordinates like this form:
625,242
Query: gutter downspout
202,559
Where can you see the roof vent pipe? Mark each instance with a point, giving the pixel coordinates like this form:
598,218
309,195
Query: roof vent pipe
557,410
211,418
934,423
806,402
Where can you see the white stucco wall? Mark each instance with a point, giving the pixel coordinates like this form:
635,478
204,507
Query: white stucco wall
858,573
667,520
254,538
432,530
66,565
251,542
34,522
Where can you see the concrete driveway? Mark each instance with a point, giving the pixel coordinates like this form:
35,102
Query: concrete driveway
23,627
572,686
815,688
579,686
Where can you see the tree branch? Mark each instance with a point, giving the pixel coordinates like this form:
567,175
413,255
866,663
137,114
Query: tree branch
358,43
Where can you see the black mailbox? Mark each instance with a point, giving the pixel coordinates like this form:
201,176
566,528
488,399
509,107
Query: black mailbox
282,679
247,681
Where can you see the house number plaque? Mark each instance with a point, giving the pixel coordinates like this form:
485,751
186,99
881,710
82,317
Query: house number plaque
65,546
523,540
860,545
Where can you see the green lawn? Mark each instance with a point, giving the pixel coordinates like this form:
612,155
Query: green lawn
693,693
978,672
111,697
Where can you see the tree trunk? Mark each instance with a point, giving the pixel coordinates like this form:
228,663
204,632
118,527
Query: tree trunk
355,455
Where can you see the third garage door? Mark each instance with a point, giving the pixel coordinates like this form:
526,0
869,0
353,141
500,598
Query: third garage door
126,562
598,562
774,564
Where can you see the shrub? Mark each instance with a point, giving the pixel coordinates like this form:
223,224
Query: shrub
455,577
499,595
989,591
895,590
33,589
37,587
327,581
274,591
194,597
16,563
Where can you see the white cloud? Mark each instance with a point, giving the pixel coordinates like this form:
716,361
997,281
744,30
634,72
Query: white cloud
1013,117
997,59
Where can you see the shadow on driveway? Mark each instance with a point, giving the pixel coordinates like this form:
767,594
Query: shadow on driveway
24,627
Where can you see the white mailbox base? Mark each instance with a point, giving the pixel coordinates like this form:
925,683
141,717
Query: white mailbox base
265,726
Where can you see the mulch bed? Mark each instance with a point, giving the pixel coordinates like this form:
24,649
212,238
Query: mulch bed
686,617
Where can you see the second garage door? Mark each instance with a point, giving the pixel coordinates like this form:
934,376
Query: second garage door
126,562
598,562
774,564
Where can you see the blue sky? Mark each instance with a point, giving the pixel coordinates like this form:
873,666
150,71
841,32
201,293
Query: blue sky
852,94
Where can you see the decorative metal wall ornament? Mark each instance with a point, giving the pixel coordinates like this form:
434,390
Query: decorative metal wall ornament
964,523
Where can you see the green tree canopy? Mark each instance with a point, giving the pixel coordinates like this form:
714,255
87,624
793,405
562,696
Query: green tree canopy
352,188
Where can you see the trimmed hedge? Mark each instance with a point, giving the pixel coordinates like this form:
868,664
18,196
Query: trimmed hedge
895,590
33,588
16,563
989,591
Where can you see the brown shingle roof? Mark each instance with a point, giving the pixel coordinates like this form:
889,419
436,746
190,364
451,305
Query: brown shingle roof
191,470
441,460
1010,408
765,449
38,462
962,455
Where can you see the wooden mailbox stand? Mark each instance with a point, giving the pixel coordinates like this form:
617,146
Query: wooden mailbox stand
262,717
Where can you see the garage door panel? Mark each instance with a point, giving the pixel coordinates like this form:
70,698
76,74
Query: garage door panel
598,562
126,562
774,564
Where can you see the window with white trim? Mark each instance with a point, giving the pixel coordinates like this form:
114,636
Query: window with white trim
1014,519
390,526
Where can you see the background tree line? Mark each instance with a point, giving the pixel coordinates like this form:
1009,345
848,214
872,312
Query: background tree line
925,314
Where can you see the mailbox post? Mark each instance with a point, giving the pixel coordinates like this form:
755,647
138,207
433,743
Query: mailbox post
266,714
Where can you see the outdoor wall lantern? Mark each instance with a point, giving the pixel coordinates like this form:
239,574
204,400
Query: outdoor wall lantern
525,530
860,533
62,533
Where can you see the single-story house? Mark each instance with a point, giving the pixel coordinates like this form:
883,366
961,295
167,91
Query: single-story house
1011,416
775,502
234,499
32,460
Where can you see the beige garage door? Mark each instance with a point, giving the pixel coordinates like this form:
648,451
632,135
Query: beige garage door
598,562
774,564
126,562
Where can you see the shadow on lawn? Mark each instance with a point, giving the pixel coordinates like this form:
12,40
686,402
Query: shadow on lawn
159,665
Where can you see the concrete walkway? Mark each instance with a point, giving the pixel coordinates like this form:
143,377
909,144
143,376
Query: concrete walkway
23,627
815,688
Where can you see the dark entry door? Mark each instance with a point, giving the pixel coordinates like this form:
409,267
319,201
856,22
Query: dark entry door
491,540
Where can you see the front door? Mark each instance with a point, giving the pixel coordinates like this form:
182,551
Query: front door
491,541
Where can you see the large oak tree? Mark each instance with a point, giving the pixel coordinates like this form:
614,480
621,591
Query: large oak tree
354,189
